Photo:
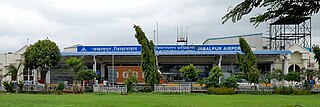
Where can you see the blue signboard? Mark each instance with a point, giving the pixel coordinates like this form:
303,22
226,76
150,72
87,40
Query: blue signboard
159,48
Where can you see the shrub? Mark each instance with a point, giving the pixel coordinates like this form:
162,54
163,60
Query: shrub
283,90
9,86
221,90
20,85
60,87
301,92
230,82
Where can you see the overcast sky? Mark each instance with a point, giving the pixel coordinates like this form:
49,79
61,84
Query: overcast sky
110,22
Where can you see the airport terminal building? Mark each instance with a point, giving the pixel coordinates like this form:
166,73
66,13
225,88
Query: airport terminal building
113,63
213,52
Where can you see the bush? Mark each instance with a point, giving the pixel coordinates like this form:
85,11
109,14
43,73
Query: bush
20,86
291,91
230,82
9,86
283,90
60,87
221,91
301,92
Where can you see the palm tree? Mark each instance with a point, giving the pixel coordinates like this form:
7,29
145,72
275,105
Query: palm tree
13,72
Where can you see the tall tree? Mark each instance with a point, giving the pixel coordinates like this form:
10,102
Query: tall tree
148,58
274,9
190,72
41,56
316,51
247,62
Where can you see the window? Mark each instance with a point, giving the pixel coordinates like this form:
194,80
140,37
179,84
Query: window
125,74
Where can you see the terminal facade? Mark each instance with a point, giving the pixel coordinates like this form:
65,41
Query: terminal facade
113,63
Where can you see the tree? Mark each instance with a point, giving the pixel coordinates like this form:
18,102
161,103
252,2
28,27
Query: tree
190,72
213,79
13,72
316,51
248,63
41,56
148,58
76,64
275,9
85,75
230,82
131,81
278,75
293,76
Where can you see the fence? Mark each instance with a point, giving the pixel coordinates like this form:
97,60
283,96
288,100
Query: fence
254,88
34,87
111,89
172,87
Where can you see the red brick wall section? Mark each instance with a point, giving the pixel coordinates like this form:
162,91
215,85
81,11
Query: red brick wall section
121,69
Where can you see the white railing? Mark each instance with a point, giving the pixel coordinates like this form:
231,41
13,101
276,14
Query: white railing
255,88
111,89
172,87
34,87
199,88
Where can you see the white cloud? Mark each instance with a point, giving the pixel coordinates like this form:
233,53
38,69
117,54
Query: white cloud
109,22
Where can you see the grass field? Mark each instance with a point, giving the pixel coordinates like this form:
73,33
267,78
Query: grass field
155,100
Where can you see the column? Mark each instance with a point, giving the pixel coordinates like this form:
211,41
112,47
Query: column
35,75
48,76
103,71
305,63
220,59
285,65
94,64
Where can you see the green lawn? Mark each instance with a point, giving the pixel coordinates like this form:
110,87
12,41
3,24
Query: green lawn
155,100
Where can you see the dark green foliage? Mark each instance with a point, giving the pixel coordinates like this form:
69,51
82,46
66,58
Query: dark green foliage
277,74
42,55
190,72
148,58
131,81
275,9
20,86
247,62
13,72
291,91
85,75
230,82
316,51
60,87
221,91
213,79
9,86
293,76
76,64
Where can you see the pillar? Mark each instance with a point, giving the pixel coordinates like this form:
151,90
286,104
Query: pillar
94,64
103,71
48,76
35,75
220,60
285,66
